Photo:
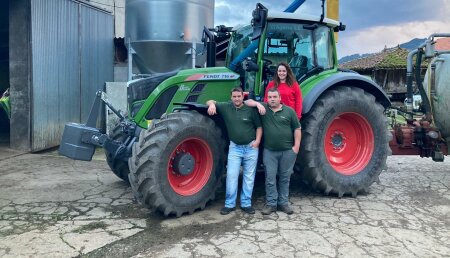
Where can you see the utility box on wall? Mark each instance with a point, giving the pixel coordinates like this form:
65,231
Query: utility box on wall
61,53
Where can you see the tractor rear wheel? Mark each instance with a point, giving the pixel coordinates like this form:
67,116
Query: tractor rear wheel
177,165
344,142
118,167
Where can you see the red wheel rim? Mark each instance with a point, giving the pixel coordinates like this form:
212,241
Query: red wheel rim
349,143
194,182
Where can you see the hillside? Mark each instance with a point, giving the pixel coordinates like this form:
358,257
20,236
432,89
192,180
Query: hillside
410,45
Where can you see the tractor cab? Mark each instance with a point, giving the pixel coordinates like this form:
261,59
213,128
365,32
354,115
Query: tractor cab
305,42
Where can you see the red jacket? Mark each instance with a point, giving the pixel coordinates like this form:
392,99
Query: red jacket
290,96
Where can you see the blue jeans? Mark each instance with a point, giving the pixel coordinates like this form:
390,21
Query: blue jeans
279,163
238,155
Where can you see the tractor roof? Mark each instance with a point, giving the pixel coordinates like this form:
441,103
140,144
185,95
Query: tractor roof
300,17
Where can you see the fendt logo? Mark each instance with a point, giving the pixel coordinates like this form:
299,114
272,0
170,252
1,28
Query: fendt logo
220,76
213,76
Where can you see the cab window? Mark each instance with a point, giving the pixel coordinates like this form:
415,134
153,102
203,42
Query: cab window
324,47
290,43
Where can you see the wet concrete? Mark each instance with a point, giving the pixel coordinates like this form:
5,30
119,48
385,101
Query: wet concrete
53,206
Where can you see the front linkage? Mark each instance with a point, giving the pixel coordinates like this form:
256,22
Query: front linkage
79,140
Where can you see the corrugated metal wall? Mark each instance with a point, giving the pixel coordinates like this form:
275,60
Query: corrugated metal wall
55,68
72,49
96,55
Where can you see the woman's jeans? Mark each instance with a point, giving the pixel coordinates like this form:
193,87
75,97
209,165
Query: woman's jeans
238,155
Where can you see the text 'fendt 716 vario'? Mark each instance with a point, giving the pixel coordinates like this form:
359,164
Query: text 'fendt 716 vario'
175,164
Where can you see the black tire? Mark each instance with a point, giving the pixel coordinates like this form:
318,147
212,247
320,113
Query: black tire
334,107
118,167
152,177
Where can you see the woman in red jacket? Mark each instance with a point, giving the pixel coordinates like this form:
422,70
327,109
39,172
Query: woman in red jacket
291,95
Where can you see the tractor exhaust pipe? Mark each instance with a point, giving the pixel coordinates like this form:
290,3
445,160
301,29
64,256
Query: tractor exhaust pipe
409,80
210,44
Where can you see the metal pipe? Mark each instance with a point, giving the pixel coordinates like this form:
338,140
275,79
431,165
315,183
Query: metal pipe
211,56
410,76
410,68
409,61
193,54
409,79
105,100
432,84
423,94
130,60
410,73
429,49
294,6
322,16
210,43
438,35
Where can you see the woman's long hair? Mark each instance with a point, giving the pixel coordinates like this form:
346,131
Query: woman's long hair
290,79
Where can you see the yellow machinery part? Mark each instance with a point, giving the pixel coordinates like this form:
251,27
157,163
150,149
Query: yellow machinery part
333,13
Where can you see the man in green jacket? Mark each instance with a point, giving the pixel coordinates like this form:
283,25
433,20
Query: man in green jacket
245,131
282,135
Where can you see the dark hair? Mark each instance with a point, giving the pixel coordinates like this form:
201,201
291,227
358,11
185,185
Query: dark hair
237,89
290,79
273,89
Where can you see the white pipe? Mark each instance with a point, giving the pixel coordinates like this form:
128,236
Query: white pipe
130,60
193,53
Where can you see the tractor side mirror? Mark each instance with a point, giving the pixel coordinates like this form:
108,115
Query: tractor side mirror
259,20
341,27
249,65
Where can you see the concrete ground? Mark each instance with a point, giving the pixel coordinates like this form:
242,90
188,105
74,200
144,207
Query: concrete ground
51,206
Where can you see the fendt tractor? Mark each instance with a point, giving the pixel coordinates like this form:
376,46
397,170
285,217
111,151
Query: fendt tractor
175,162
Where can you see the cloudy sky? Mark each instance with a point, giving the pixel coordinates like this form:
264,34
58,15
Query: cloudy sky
371,25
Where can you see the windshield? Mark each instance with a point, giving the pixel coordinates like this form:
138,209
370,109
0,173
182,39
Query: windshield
302,47
239,41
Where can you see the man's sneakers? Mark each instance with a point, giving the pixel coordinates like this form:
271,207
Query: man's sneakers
286,209
267,210
226,210
248,210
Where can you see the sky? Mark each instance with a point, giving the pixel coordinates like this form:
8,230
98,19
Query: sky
371,24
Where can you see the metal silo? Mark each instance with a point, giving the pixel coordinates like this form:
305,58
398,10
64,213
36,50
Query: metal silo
162,33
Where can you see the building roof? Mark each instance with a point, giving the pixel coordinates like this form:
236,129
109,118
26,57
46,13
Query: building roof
388,58
442,44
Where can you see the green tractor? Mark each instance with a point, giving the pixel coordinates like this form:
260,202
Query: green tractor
173,153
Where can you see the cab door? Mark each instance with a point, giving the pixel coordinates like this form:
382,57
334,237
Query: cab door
285,42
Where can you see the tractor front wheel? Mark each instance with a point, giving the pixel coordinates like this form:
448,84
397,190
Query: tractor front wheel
177,164
345,142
